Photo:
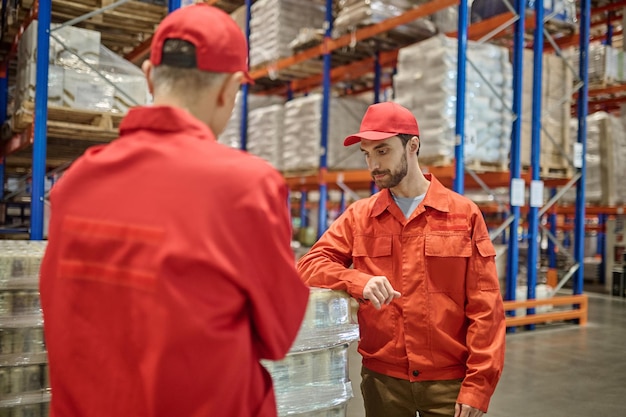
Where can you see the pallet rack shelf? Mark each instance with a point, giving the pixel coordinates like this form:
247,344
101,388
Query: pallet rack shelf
356,67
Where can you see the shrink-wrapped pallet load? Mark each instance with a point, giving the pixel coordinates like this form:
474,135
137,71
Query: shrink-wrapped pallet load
556,148
265,133
426,83
231,136
82,74
313,380
302,134
605,158
276,23
24,386
353,14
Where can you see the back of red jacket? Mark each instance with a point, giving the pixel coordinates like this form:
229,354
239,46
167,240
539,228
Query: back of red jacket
168,275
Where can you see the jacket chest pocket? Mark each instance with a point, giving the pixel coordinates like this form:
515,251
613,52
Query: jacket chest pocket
372,254
447,259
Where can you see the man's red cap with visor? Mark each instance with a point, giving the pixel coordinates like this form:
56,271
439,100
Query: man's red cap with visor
382,121
220,44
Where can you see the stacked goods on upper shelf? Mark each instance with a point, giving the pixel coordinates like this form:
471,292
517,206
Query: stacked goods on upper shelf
312,380
606,159
353,14
561,12
606,64
75,60
231,135
302,133
24,387
265,133
426,83
274,24
556,97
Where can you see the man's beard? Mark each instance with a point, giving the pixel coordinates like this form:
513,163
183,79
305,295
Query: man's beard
392,179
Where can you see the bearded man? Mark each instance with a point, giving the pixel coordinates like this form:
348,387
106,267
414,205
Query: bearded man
423,270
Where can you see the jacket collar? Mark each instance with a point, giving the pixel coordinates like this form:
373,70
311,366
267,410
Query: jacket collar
164,119
436,197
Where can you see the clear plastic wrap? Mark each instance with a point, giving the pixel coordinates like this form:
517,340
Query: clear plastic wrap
354,14
426,84
265,133
605,157
312,380
83,74
23,369
274,24
302,135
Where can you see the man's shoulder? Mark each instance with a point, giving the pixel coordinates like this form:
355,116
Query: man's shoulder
460,202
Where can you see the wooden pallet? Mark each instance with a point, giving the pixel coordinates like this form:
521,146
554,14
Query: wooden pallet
435,161
475,165
483,166
122,28
65,122
555,172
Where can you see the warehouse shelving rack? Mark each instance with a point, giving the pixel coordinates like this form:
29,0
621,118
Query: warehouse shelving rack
323,180
455,174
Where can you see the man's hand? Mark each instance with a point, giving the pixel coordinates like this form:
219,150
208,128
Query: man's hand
464,410
379,291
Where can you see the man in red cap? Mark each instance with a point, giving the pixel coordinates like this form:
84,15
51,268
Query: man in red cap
430,314
169,272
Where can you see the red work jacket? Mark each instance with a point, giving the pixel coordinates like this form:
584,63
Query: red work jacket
168,275
449,321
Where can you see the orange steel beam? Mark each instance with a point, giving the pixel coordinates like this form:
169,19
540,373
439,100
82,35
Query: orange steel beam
137,55
329,45
605,91
387,59
17,142
445,174
482,28
592,210
574,40
610,101
579,313
32,15
608,7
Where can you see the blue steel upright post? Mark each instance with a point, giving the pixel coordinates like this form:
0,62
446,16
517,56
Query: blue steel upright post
459,171
518,77
582,108
4,95
323,187
535,155
377,77
41,119
173,5
245,89
601,249
552,219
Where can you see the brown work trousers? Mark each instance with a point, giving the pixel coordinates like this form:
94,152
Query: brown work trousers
385,396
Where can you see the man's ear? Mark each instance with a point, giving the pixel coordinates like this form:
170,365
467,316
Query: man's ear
414,144
230,87
147,67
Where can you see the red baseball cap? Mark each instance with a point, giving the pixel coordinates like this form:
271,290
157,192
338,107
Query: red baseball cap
220,44
384,120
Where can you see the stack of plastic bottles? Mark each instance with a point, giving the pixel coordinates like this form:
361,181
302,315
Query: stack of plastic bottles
24,387
312,380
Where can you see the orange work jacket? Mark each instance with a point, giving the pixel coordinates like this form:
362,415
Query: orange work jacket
449,321
168,275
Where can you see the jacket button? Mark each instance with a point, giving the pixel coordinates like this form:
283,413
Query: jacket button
416,373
